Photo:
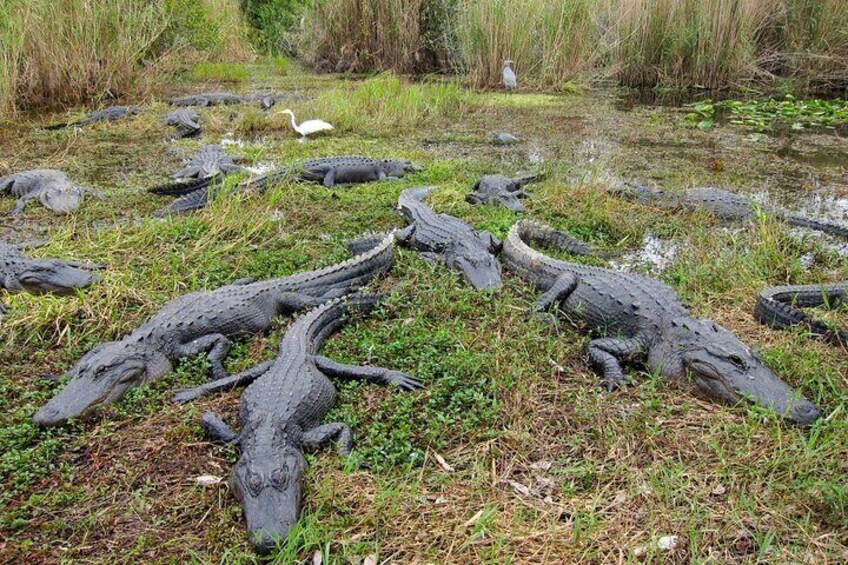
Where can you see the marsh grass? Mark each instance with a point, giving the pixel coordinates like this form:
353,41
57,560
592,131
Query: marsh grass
219,72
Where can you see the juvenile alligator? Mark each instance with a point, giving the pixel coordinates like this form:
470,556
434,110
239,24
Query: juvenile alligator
723,205
439,237
209,166
185,120
500,189
779,307
39,276
50,187
281,414
109,114
330,171
640,319
203,322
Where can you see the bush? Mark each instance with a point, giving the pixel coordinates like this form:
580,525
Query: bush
276,23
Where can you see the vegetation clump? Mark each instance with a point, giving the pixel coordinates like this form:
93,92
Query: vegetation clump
761,115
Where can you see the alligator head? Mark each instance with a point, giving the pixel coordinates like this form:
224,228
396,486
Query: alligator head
61,199
479,267
723,368
49,275
102,376
399,167
268,482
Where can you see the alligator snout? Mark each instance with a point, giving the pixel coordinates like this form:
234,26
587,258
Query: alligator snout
804,413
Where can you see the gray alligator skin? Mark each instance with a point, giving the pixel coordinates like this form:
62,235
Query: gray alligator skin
723,205
39,276
203,322
109,114
50,187
449,240
208,167
501,190
281,414
779,307
185,120
265,99
642,319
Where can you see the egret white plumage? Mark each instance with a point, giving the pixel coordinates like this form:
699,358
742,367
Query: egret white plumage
308,127
509,79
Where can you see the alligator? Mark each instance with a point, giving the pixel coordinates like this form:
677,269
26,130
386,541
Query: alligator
504,139
329,171
109,114
444,238
265,99
39,276
185,120
281,414
779,307
500,189
723,205
209,166
202,322
51,187
635,318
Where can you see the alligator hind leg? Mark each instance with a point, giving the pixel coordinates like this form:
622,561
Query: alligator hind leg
318,437
217,429
241,379
606,355
216,345
376,375
562,288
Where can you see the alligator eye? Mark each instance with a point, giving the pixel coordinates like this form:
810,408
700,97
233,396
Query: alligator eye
278,479
254,482
738,361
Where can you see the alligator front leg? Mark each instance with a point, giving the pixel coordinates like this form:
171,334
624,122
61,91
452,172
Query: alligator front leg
216,346
494,244
330,178
606,355
241,379
562,288
318,437
376,375
217,429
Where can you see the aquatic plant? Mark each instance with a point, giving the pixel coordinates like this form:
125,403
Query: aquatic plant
764,114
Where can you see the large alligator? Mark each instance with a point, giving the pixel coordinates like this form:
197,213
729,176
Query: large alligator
501,189
723,205
185,120
444,238
50,187
281,414
208,167
329,171
265,99
40,276
640,319
202,322
108,114
779,307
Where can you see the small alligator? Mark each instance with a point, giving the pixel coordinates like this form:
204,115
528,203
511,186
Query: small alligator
39,276
723,205
500,189
330,171
185,120
779,307
440,237
209,166
51,187
281,413
109,114
202,322
642,319
504,139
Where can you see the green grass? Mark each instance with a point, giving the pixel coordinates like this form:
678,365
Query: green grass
546,466
219,72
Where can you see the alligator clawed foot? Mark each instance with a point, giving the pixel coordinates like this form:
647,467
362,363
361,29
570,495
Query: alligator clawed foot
547,319
403,381
614,383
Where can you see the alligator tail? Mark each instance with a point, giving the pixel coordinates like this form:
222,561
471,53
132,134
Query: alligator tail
191,201
561,241
775,309
56,126
181,188
365,243
824,227
265,182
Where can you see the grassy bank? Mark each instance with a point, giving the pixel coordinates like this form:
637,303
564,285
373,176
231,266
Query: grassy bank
68,52
796,44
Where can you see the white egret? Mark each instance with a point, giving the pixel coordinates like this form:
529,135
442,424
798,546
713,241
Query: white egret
509,78
308,127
